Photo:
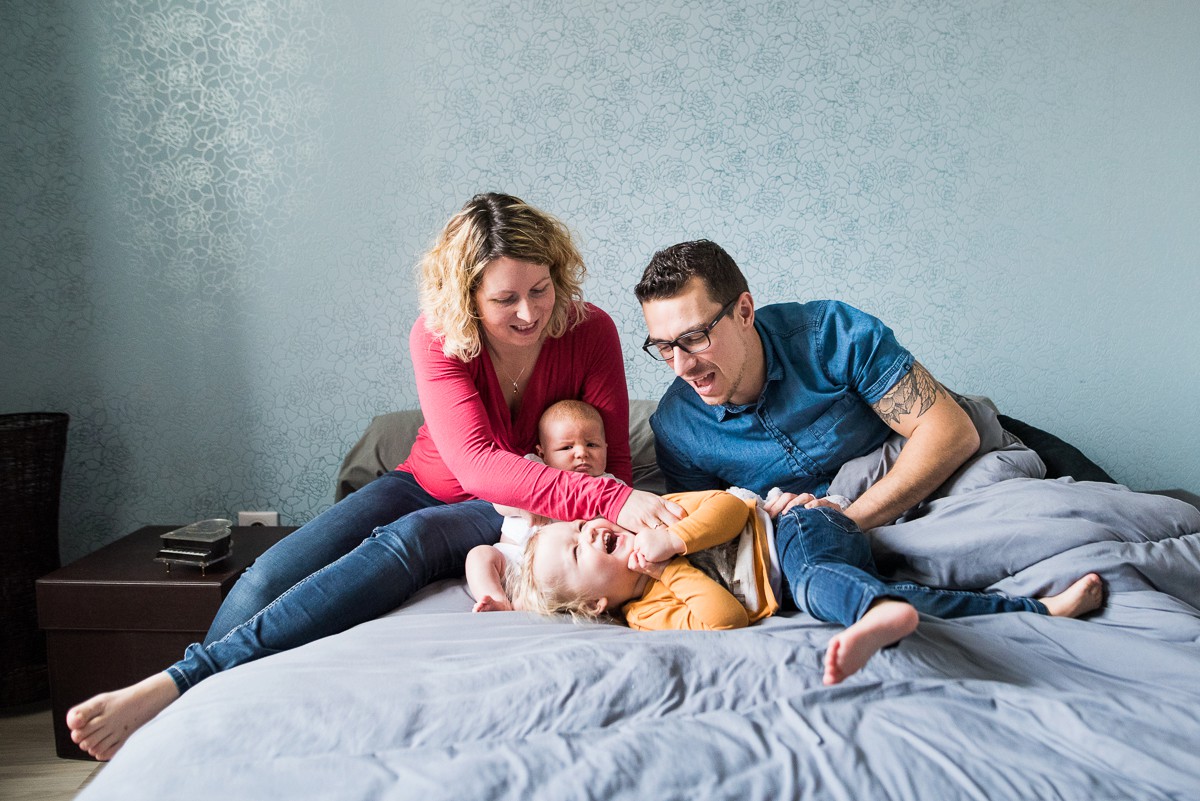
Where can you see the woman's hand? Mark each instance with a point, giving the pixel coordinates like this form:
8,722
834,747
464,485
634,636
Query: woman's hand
644,510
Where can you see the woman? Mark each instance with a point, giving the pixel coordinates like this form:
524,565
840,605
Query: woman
502,335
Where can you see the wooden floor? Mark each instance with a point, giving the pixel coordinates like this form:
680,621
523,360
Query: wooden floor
29,769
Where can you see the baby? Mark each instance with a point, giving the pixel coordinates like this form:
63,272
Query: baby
731,577
571,438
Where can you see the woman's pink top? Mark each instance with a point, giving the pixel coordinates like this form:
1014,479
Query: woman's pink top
471,447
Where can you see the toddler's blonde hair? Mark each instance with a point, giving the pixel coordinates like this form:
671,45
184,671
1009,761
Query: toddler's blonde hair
550,601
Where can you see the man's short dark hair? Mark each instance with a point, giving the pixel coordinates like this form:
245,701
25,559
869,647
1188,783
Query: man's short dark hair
671,268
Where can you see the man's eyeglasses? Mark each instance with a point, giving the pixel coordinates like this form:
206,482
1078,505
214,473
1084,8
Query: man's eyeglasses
690,342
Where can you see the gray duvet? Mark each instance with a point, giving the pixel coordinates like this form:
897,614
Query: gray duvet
434,702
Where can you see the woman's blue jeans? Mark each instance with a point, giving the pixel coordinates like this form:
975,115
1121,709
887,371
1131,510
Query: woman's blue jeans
829,569
361,558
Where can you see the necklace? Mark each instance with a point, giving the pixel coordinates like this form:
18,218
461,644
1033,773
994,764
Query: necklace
514,381
504,378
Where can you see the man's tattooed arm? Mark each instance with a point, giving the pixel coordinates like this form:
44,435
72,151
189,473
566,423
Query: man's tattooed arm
940,437
915,393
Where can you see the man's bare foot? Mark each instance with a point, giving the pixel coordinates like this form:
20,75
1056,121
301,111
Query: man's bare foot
102,724
1085,595
886,621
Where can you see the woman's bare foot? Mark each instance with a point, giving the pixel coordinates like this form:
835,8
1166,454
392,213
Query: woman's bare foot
102,724
1085,595
886,621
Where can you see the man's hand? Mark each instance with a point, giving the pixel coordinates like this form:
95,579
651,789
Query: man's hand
785,501
788,500
827,502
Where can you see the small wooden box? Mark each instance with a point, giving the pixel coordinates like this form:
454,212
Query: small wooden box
116,616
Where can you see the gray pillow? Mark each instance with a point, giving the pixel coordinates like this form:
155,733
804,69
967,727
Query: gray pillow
646,475
385,444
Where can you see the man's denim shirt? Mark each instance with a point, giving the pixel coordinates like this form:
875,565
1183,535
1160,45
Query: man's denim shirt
826,363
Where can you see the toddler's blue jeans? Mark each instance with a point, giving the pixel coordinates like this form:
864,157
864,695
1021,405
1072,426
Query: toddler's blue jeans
829,569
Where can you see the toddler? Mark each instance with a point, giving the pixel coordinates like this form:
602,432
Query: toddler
570,437
715,569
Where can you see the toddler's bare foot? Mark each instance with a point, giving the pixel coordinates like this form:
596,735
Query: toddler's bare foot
1085,595
102,724
886,622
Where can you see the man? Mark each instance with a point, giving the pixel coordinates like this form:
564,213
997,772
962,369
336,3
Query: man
785,395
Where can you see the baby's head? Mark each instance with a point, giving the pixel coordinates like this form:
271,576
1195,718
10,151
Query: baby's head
571,438
579,568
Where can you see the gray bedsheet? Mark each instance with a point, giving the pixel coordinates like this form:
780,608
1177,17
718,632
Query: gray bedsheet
433,702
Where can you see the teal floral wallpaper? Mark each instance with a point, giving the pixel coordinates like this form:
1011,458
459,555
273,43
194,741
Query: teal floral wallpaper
210,211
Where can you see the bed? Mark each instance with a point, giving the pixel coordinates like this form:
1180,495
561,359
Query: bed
432,701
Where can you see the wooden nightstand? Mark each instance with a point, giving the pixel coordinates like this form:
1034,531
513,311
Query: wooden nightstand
116,616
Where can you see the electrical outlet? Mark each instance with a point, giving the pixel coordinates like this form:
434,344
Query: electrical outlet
258,518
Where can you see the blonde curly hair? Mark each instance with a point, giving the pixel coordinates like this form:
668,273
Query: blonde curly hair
530,596
492,226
